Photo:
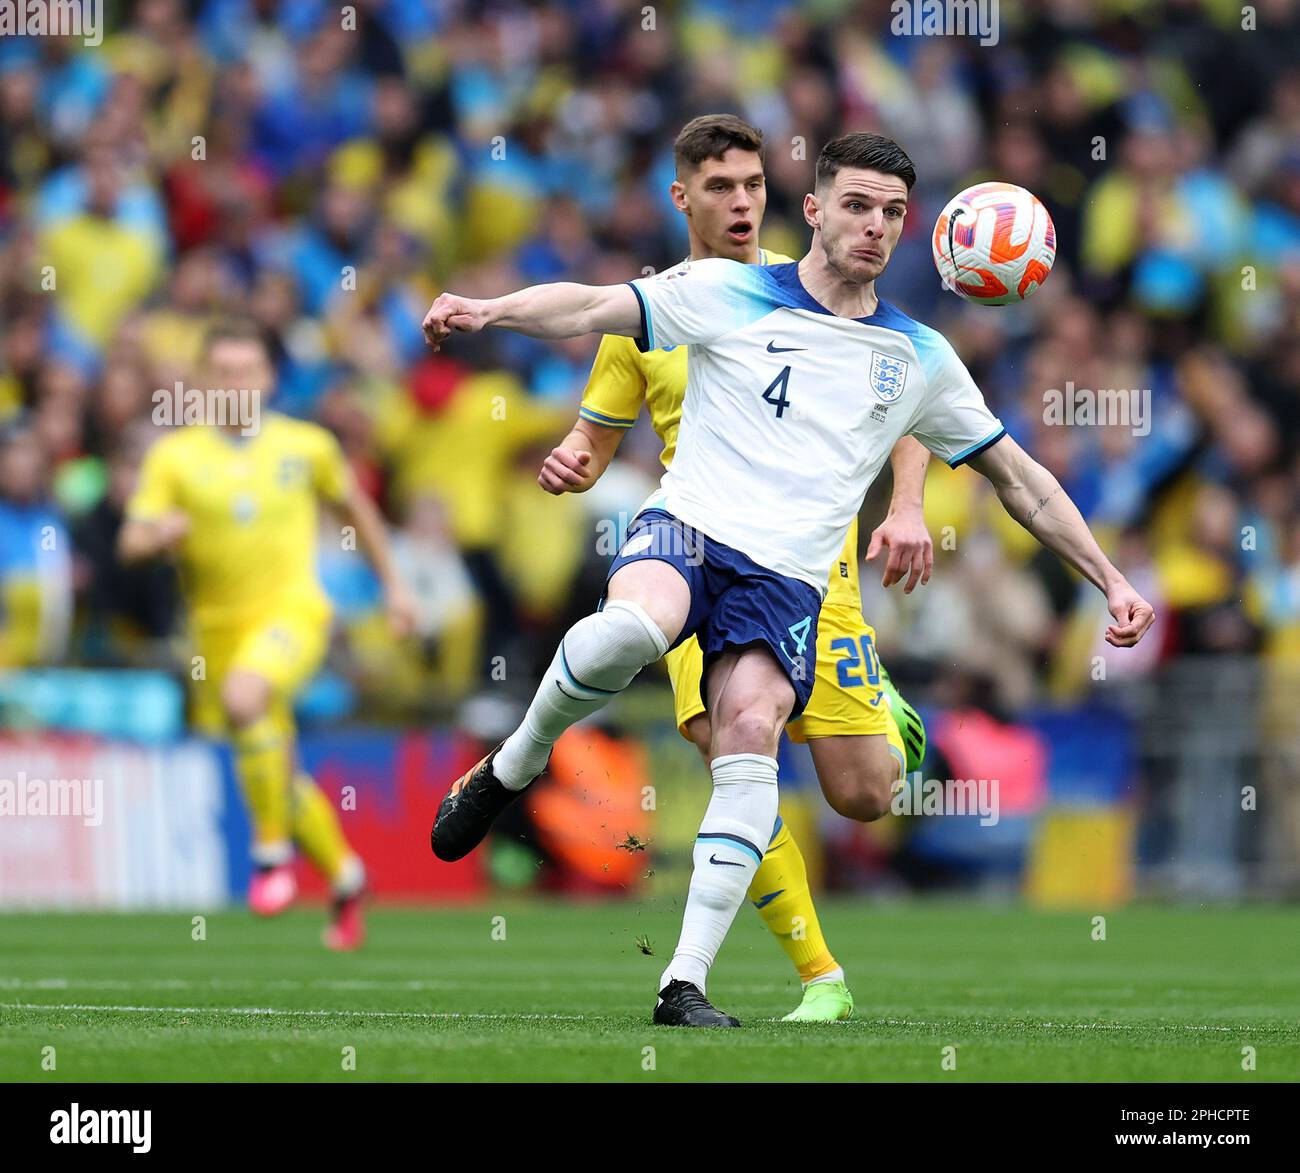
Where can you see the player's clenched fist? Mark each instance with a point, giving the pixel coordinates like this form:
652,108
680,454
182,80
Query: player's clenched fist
1133,614
566,470
450,312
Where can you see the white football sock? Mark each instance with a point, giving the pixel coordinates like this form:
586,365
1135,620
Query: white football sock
835,975
728,850
598,657
272,855
351,878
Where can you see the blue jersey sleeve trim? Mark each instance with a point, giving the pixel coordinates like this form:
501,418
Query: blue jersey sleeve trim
979,446
645,342
609,421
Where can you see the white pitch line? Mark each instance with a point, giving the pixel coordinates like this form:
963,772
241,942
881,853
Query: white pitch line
957,1023
273,1011
429,985
267,1011
244,983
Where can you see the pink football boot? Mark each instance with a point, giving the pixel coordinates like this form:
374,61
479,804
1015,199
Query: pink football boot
272,890
347,931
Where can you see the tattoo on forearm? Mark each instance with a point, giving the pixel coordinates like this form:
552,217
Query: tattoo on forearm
1042,501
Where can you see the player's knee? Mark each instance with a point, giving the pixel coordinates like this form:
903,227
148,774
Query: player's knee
605,651
245,698
863,794
656,591
876,792
748,730
859,803
628,636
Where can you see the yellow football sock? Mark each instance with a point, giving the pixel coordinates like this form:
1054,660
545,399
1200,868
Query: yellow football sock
781,894
317,831
263,764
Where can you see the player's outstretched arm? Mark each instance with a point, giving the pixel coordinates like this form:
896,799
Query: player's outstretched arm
903,532
581,458
1036,500
358,511
140,539
559,310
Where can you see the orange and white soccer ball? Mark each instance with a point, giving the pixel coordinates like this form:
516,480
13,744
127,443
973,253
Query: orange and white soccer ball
994,243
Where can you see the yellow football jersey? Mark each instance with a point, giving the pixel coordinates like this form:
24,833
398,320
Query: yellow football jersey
253,504
623,378
104,271
490,415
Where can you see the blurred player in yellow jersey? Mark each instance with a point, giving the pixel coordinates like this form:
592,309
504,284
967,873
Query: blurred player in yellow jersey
238,507
855,723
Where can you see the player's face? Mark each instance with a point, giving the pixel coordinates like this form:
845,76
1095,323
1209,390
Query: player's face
860,217
725,199
239,364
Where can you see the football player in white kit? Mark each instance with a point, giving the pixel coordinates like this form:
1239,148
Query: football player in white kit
800,383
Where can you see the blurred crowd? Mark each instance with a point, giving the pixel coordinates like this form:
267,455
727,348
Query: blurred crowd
329,170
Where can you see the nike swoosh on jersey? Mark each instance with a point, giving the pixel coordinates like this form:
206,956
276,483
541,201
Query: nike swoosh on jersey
729,863
772,348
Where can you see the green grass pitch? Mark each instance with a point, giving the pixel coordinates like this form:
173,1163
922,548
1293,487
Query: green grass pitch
1170,994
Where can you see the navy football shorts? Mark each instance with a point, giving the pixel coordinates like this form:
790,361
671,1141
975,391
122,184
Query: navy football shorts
735,603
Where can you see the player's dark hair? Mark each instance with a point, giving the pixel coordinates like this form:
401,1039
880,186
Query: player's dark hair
867,152
711,136
239,329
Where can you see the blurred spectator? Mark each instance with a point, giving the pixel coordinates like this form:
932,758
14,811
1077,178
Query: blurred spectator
103,263
129,610
35,559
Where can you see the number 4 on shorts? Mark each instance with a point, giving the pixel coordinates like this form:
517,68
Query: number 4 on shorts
799,633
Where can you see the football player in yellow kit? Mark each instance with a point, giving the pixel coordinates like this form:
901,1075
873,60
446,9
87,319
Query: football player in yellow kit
863,737
240,514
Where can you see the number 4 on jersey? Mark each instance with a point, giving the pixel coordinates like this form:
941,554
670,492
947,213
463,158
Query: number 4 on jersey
775,393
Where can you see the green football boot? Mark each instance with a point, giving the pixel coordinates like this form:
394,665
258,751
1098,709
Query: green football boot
823,1002
910,726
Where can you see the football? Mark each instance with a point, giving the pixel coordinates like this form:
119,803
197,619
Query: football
994,243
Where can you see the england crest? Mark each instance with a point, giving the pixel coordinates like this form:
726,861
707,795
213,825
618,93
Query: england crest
888,376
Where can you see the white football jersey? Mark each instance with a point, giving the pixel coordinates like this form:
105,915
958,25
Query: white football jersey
791,412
